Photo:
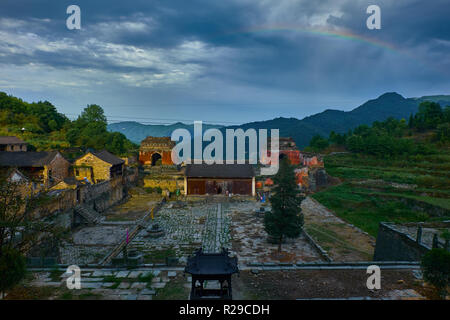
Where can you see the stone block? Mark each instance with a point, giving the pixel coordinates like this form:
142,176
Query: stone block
122,274
138,285
124,285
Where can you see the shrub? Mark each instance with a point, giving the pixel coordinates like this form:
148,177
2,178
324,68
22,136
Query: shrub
12,269
436,269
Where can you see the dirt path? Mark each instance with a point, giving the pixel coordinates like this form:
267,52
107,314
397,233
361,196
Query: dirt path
342,241
325,284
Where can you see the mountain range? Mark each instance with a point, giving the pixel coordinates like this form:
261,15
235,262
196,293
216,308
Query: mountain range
387,105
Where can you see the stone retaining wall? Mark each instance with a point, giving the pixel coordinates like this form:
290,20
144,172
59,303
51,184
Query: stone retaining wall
394,245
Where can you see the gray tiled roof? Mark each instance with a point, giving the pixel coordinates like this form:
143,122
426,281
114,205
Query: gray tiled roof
26,158
219,171
108,157
11,140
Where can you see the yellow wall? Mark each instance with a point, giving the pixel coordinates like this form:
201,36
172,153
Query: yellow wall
100,169
170,184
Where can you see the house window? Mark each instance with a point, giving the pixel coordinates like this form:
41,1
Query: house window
77,172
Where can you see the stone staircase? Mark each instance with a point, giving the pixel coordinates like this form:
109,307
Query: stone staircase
91,216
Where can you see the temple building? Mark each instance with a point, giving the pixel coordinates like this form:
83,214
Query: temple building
309,159
287,149
201,179
11,143
156,151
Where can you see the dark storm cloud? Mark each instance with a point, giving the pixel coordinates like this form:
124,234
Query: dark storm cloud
208,52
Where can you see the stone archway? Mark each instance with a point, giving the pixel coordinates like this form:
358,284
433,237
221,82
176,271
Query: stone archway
155,157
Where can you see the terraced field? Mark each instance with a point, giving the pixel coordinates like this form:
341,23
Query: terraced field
410,189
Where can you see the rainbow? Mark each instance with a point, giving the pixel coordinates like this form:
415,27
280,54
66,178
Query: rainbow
340,34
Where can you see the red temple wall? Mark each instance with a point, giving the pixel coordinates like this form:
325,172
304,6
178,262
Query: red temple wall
145,157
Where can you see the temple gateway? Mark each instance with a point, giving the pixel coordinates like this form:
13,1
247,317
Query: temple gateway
156,151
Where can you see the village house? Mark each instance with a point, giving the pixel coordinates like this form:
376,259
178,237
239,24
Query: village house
11,143
156,151
45,168
95,167
13,175
201,179
69,183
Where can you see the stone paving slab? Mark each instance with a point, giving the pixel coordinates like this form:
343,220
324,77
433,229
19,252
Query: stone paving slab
135,274
122,274
85,279
156,279
124,285
91,285
107,284
147,291
101,273
159,285
138,285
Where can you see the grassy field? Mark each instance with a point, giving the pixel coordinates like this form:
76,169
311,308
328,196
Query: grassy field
399,190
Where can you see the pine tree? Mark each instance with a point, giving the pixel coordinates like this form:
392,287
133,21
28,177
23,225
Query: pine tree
411,121
285,220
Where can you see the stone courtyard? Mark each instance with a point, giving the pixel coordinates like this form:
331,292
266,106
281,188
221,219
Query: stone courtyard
236,225
207,223
113,284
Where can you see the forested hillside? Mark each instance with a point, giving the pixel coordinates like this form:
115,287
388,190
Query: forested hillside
390,104
395,170
44,128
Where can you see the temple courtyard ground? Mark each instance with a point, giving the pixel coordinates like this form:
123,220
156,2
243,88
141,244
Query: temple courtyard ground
163,284
215,223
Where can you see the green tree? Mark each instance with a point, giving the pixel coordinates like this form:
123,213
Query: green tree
411,121
93,113
336,138
318,142
12,269
443,132
20,228
285,219
429,115
117,143
446,114
435,266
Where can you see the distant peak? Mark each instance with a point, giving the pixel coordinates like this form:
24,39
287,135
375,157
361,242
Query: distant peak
391,95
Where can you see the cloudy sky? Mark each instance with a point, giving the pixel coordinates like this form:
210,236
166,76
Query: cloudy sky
221,61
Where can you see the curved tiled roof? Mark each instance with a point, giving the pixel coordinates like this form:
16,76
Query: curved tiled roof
108,157
26,158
